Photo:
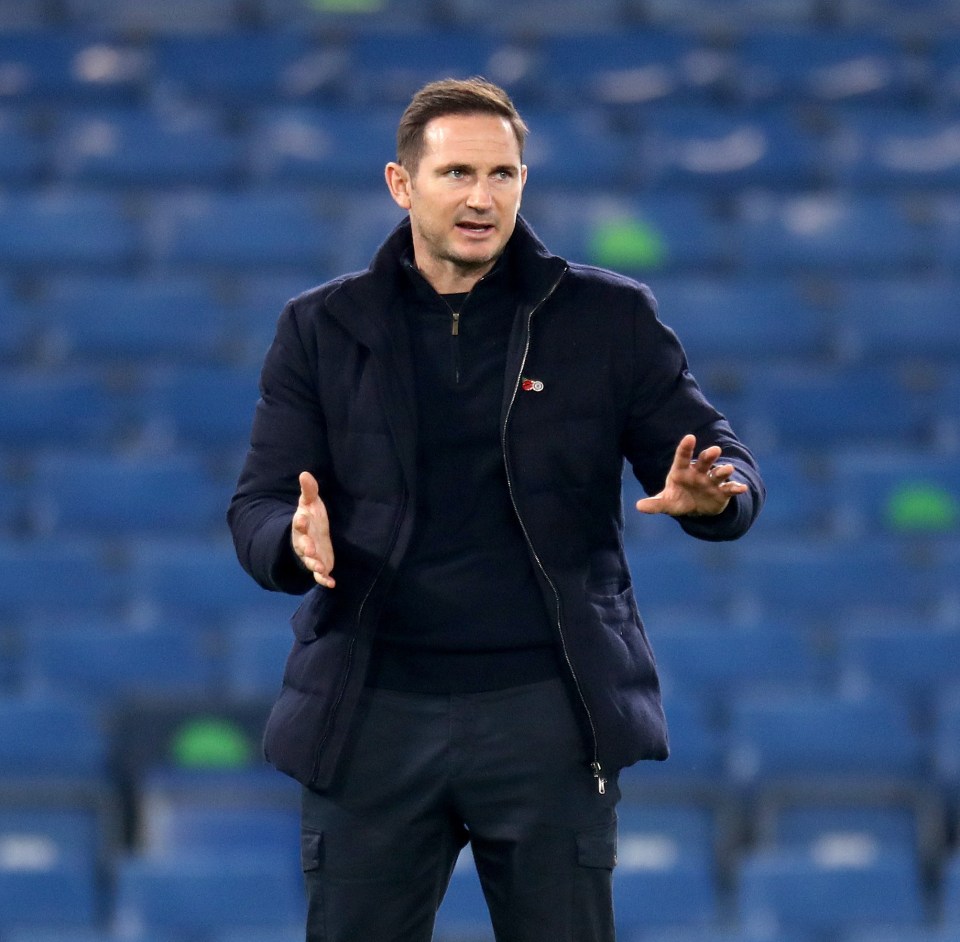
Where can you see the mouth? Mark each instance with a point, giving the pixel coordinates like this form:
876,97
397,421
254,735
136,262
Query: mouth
475,229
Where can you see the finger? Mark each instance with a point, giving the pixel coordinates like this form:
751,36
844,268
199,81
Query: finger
683,456
309,489
720,473
301,523
650,505
706,458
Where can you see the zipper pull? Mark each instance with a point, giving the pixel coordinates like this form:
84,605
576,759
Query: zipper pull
455,329
601,781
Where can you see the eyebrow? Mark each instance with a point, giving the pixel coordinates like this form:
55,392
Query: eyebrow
470,168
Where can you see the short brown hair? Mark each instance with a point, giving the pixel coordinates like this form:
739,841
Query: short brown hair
452,96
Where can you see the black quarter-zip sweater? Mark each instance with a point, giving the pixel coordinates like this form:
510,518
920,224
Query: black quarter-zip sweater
465,613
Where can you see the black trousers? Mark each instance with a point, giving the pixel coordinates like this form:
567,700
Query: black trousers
504,770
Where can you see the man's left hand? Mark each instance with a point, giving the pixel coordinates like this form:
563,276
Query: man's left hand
694,486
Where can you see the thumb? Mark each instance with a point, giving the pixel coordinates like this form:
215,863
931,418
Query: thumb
651,505
309,489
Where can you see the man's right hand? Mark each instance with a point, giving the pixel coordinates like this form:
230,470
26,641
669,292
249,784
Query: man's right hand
310,532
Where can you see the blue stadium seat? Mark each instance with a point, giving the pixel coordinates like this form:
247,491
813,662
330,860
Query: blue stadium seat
661,831
951,892
638,236
675,574
711,661
721,150
292,934
39,409
203,580
723,319
834,578
51,739
463,913
38,231
872,323
946,742
541,17
656,884
575,150
368,218
830,233
87,579
21,153
345,147
920,934
727,934
97,494
638,67
826,891
943,81
255,651
946,233
57,66
107,661
908,661
348,18
209,407
54,894
747,14
142,17
806,407
228,232
23,14
135,147
387,67
194,893
112,320
897,150
238,67
820,738
826,68
794,503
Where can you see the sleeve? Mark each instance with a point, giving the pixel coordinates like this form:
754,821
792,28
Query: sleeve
288,436
666,403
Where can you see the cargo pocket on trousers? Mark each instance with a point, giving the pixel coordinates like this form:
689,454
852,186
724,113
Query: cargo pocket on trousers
311,844
597,846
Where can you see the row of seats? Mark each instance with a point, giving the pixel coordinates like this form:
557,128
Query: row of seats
650,146
273,231
906,17
204,867
602,66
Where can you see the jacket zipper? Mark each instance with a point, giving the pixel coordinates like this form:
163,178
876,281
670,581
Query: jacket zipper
353,640
595,766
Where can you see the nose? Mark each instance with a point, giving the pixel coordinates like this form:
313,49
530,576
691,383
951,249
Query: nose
479,196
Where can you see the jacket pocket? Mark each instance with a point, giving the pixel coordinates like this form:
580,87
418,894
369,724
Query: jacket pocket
311,846
310,618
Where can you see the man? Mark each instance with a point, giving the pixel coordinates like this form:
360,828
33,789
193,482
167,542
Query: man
449,429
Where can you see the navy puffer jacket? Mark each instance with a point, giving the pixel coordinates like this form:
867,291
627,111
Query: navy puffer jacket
592,377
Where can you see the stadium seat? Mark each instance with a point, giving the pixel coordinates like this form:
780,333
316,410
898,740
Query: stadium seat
56,893
255,652
829,891
344,147
823,739
107,661
201,580
229,232
899,150
951,892
635,235
538,16
907,660
825,69
712,660
722,319
748,14
87,580
575,150
836,578
114,321
946,741
794,504
348,18
134,147
57,66
637,67
38,231
21,153
387,67
714,150
193,893
872,325
43,410
51,739
141,17
238,68
202,406
830,233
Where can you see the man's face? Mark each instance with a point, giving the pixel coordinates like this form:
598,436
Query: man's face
464,198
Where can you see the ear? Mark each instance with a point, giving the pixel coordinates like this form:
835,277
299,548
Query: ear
523,178
398,183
